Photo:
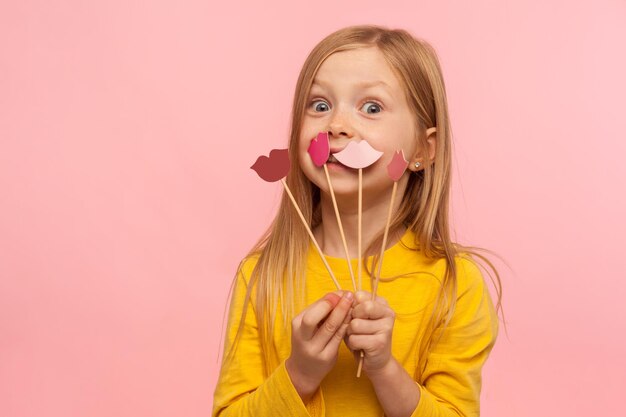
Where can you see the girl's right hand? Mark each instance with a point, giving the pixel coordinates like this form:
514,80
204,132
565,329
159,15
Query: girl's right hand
315,337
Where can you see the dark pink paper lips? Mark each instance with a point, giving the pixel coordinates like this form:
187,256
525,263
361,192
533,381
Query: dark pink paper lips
397,166
319,149
273,168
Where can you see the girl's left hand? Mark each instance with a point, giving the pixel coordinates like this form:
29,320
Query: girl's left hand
370,330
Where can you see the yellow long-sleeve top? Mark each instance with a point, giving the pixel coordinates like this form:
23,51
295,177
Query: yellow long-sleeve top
452,378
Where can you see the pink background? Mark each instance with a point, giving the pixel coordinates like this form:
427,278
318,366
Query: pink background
126,133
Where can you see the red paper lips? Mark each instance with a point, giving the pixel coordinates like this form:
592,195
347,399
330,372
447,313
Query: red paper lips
273,168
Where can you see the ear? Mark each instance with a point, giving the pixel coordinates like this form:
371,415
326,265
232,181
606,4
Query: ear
431,139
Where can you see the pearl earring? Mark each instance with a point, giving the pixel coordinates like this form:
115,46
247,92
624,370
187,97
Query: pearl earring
417,165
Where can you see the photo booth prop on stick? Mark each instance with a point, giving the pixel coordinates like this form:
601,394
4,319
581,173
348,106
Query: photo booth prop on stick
319,149
359,155
356,155
276,168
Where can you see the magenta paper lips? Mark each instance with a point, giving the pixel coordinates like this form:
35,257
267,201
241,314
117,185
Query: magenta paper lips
319,149
358,155
273,168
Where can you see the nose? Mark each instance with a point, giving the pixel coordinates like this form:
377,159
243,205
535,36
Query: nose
339,126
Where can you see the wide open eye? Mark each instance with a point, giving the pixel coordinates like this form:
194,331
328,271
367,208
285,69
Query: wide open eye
374,106
319,105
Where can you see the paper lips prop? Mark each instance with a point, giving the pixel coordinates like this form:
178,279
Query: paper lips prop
397,166
358,155
319,149
273,168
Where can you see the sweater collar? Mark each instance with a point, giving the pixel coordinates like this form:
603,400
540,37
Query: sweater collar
403,250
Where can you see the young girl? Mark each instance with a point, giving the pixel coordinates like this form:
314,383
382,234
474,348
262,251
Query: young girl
293,341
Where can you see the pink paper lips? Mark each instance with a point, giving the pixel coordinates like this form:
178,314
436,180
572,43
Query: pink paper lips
273,168
358,155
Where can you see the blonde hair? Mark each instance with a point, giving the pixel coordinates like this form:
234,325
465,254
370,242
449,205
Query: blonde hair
279,272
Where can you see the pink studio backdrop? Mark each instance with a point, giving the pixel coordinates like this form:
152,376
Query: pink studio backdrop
126,133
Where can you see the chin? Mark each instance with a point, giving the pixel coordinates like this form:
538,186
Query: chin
344,188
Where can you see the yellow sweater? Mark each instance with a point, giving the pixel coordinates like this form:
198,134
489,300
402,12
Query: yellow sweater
452,378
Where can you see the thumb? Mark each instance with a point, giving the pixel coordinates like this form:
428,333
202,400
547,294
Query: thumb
346,335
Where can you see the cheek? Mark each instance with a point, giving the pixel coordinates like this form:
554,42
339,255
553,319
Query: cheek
409,141
403,142
303,157
306,164
303,144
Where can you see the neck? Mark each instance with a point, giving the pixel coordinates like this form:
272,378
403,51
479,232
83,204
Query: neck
373,221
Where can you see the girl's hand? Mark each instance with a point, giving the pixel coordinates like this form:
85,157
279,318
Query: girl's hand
315,337
370,330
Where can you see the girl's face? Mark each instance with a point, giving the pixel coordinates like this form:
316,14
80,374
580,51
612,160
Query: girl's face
356,96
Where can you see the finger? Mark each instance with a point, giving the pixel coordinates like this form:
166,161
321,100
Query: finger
332,324
362,326
363,296
348,319
333,344
371,310
315,314
381,300
366,343
333,298
355,342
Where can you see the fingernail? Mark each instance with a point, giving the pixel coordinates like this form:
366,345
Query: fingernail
348,295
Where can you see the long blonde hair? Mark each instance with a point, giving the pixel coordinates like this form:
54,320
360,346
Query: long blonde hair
279,272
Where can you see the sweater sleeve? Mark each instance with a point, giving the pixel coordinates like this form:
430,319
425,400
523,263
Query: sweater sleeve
241,389
452,378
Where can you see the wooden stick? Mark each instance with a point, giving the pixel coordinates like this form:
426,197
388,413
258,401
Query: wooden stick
343,236
360,219
358,371
382,249
380,263
360,215
308,229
